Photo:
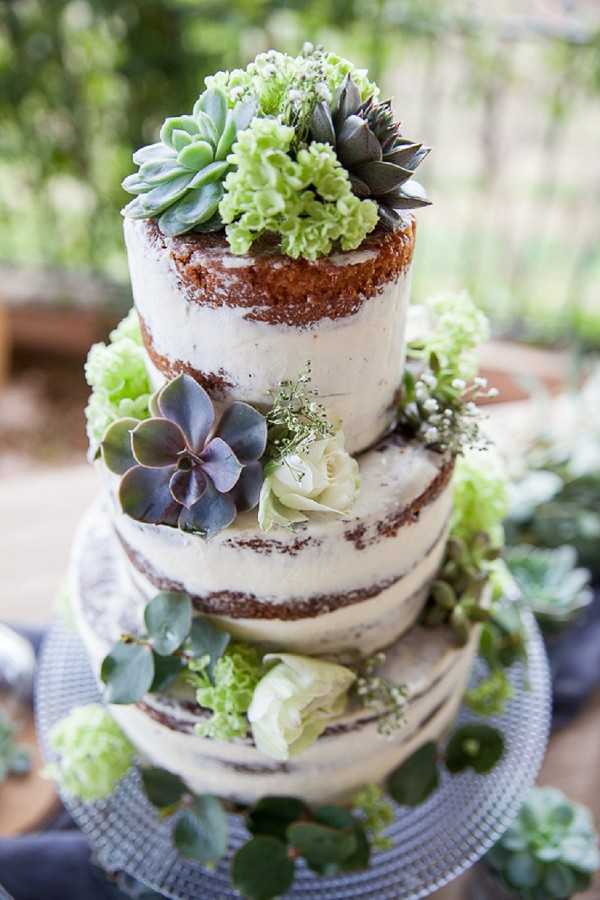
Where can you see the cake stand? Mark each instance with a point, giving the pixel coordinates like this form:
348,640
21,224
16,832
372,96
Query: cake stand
432,844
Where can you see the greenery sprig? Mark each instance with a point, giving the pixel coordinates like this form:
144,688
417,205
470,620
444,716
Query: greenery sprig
380,695
151,661
296,419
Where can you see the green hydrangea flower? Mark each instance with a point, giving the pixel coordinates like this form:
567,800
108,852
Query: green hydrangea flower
376,814
94,753
117,374
236,675
307,201
459,328
480,498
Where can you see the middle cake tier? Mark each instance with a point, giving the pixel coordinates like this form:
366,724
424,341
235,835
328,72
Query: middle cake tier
333,584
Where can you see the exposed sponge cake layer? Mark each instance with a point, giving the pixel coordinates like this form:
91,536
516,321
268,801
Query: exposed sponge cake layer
349,753
332,584
241,325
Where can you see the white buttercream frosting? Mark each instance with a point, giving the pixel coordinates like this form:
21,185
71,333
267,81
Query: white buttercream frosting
356,360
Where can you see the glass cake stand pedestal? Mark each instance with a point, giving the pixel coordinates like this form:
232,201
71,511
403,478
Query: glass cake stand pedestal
432,844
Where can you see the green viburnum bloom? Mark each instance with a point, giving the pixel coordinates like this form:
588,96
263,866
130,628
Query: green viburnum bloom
117,374
458,329
550,851
229,695
308,201
94,754
480,498
295,701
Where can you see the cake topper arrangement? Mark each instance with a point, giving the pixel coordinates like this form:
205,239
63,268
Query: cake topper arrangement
298,147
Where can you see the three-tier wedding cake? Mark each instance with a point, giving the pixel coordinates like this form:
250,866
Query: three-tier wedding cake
265,588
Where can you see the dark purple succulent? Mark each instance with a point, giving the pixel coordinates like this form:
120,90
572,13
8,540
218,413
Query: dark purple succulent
178,469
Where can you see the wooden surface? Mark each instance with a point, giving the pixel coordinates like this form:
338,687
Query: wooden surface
43,510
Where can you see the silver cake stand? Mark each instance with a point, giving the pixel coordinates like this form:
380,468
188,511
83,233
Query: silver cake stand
432,844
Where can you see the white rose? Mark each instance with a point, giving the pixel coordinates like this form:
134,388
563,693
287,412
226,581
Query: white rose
322,478
294,702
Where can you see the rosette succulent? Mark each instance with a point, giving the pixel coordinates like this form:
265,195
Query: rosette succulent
368,143
178,469
550,851
180,178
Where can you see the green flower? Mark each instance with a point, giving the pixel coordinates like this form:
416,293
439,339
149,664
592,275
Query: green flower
550,851
236,675
94,754
295,701
480,498
307,201
117,374
458,328
376,814
490,696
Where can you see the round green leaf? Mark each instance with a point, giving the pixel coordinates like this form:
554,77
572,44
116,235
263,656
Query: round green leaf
334,816
209,640
168,619
200,832
127,672
261,869
162,788
478,747
166,670
272,815
319,844
116,446
523,871
361,856
412,782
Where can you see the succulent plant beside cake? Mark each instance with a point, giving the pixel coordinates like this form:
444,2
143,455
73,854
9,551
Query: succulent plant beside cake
299,147
550,852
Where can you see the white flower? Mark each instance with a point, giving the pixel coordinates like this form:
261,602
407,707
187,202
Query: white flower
294,702
321,478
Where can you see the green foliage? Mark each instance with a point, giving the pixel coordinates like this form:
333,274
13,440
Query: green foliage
117,374
229,693
261,869
14,759
413,782
480,498
477,747
550,583
172,643
551,849
490,695
296,419
380,695
375,813
273,815
163,789
200,831
93,752
439,388
307,201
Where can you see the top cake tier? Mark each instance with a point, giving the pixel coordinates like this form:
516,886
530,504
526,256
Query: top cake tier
242,324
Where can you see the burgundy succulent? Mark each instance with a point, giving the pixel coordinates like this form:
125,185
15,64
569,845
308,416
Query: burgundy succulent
178,469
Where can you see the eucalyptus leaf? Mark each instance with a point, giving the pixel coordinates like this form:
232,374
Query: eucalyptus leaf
166,670
162,788
127,672
413,782
273,815
116,446
320,844
168,619
200,832
261,869
209,640
479,747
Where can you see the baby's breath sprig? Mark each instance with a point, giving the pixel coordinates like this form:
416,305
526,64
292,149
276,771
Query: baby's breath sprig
381,695
441,409
296,419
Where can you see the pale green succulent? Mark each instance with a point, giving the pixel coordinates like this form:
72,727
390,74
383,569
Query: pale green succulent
550,852
180,179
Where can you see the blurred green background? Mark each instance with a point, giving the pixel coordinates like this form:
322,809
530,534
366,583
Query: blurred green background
508,95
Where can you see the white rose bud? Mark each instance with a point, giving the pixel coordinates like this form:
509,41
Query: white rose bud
295,701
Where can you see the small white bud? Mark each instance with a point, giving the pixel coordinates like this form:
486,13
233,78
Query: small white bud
459,384
431,404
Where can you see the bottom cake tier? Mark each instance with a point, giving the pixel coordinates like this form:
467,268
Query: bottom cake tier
351,751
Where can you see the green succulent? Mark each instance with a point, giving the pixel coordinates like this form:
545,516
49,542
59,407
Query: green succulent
550,852
380,161
180,178
550,583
